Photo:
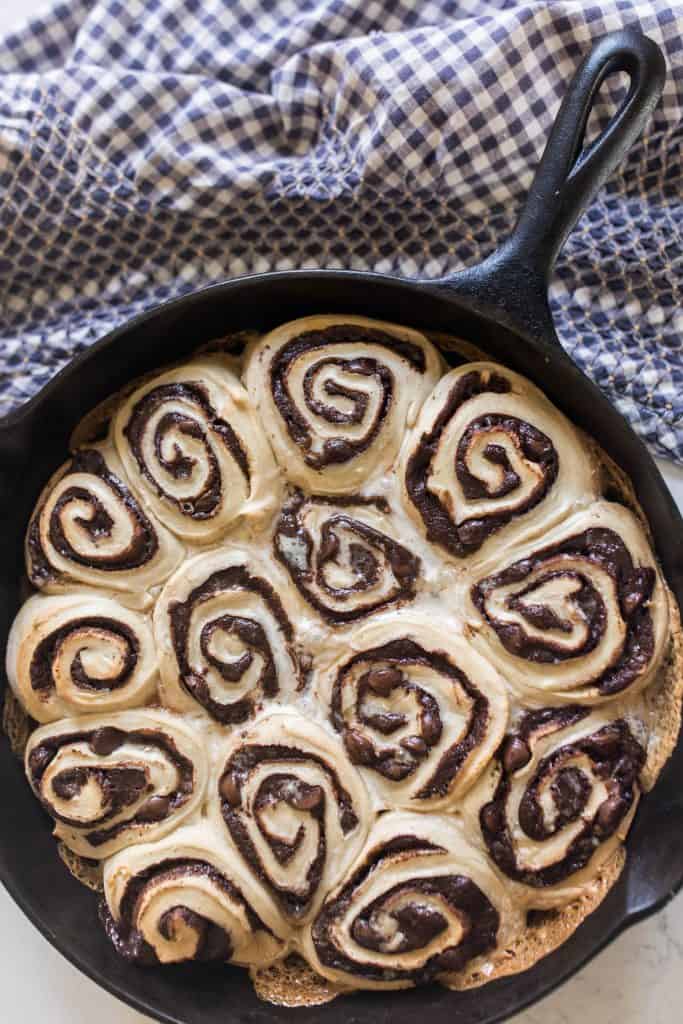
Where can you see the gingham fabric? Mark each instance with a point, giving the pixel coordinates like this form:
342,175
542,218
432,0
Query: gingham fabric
149,147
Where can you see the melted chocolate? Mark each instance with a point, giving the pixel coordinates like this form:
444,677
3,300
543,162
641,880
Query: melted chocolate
418,921
373,554
207,502
597,546
616,757
337,450
121,785
399,762
141,549
47,651
213,943
250,633
278,787
532,444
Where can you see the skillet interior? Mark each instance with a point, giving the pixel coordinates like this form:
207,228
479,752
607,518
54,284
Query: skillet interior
32,445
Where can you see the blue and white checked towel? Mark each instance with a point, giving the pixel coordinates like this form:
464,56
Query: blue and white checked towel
148,147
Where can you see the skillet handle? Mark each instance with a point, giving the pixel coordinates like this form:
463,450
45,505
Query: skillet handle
513,281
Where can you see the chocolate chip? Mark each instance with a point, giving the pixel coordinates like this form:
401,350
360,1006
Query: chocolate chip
154,809
230,790
383,680
307,798
610,814
604,743
415,745
395,769
516,754
106,740
491,817
473,532
336,449
359,749
430,724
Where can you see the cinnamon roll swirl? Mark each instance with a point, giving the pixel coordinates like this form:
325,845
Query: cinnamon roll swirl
293,808
419,903
559,799
193,447
580,617
80,653
225,641
420,713
489,455
109,781
344,556
335,395
89,528
184,898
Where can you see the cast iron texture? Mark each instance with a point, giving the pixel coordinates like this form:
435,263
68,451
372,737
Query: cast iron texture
500,305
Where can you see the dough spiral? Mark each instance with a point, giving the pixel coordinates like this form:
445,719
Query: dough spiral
113,780
581,617
293,807
182,898
80,653
224,638
490,456
335,394
559,800
419,711
343,555
89,528
420,902
192,446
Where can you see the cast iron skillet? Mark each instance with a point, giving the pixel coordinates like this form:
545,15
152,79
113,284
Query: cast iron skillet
500,305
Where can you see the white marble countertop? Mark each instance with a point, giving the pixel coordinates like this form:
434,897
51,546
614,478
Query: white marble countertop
639,978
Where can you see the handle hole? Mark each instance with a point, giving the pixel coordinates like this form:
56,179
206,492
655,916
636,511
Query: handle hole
609,99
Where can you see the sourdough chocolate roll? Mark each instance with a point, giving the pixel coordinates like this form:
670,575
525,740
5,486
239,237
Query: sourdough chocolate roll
345,555
184,898
194,449
559,799
225,640
292,807
419,712
109,781
490,460
335,394
419,903
80,653
89,528
580,615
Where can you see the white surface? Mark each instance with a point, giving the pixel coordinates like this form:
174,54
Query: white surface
638,979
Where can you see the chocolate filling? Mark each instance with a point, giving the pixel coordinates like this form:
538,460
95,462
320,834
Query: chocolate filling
250,634
418,921
532,444
47,651
121,785
141,549
337,450
213,943
370,557
207,502
398,762
278,787
616,757
634,586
